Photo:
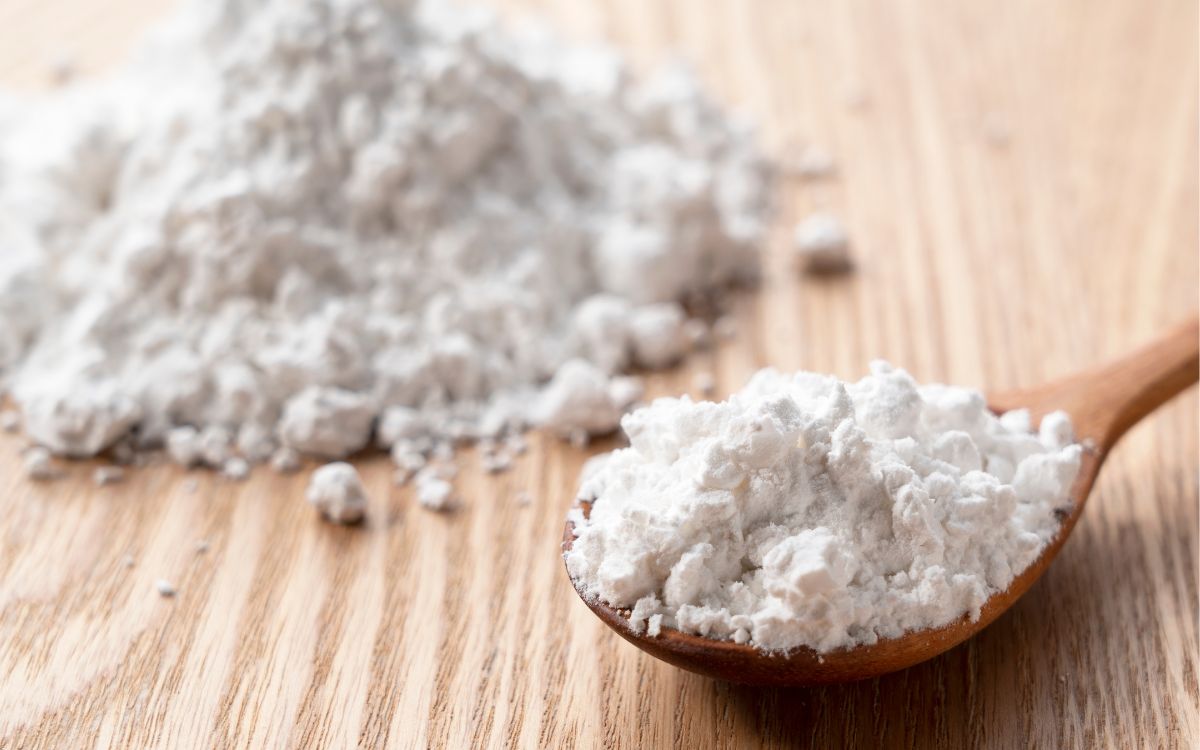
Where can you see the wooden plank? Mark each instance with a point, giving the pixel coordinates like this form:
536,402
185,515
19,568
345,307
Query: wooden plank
1021,184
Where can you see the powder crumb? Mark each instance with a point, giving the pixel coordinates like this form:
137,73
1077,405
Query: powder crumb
202,546
285,460
705,383
582,399
433,492
164,588
216,446
523,498
39,466
10,420
190,485
183,445
654,626
806,511
235,468
337,491
657,335
128,562
822,244
327,422
516,444
107,475
443,451
408,460
496,463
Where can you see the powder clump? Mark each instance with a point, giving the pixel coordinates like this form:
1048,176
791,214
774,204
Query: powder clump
283,220
806,511
337,491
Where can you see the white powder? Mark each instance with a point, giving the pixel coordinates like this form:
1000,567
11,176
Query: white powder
235,468
822,244
165,588
104,475
433,491
38,464
285,461
337,492
804,511
285,219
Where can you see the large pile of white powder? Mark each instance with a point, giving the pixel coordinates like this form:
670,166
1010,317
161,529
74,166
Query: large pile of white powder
300,223
805,511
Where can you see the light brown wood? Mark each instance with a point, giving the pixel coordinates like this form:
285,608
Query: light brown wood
1103,402
1020,180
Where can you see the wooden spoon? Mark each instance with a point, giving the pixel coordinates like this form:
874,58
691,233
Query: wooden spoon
1103,403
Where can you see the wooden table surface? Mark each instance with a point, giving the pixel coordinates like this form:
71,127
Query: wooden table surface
1020,180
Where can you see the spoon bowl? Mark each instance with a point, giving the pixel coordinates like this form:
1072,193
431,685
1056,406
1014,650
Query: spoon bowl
1103,404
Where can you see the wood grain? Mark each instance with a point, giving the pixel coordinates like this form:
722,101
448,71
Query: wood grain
1021,183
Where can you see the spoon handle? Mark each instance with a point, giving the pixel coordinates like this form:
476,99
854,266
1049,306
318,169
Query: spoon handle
1105,401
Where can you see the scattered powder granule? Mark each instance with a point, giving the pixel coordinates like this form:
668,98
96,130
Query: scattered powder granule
281,221
236,468
583,399
183,445
216,446
190,485
434,492
38,464
806,511
10,420
107,475
822,245
202,546
496,463
128,562
164,588
285,460
337,491
523,498
516,444
705,383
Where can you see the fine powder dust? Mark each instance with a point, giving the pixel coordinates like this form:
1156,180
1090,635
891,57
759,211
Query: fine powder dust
294,225
804,511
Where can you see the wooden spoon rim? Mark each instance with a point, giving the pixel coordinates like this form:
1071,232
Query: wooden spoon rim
743,663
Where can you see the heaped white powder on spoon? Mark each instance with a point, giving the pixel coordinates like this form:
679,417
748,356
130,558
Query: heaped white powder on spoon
804,511
287,223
